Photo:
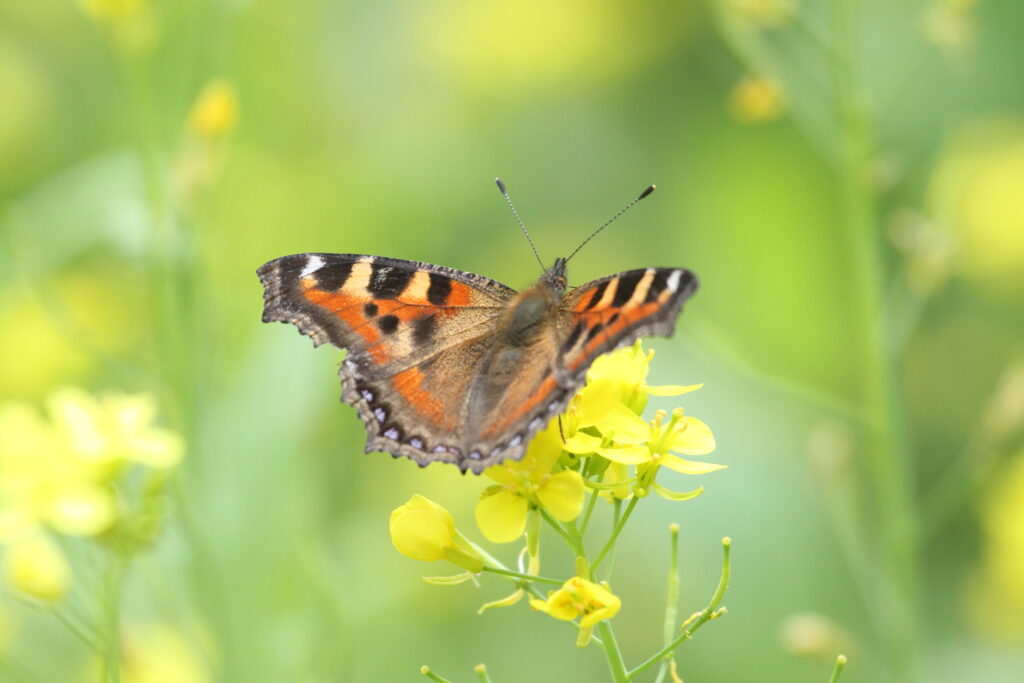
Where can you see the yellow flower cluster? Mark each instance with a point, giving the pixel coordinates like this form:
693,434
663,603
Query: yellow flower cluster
600,443
602,422
59,475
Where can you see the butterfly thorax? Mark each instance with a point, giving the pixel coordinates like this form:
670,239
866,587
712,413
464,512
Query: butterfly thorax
530,310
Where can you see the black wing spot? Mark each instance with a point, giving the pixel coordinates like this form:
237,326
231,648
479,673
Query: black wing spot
388,323
333,277
627,285
594,331
423,330
596,296
658,284
387,282
612,320
440,288
370,309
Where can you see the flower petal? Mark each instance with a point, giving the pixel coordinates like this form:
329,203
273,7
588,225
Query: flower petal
670,389
86,511
693,438
502,516
669,494
627,455
36,566
582,443
563,495
684,466
626,426
595,401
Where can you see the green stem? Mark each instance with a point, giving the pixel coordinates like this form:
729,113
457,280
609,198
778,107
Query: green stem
889,456
425,670
840,663
525,577
114,583
481,673
671,598
612,653
615,533
707,614
557,526
588,512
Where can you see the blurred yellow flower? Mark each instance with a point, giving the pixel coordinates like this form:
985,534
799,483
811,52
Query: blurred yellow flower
976,192
950,25
534,45
763,13
43,483
215,112
423,530
132,23
61,473
1002,565
36,567
114,429
579,597
159,653
501,512
756,99
811,634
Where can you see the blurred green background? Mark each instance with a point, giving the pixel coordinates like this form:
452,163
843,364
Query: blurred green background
846,178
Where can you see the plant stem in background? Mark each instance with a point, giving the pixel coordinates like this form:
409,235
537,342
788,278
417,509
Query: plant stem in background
888,454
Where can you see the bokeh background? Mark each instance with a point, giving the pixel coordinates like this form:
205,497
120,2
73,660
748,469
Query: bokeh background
846,177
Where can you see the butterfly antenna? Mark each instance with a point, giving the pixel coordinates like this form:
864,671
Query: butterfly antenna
504,192
611,220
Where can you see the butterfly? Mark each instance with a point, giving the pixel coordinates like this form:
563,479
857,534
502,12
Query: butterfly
446,365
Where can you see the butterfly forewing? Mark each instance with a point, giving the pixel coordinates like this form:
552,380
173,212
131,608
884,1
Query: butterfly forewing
613,311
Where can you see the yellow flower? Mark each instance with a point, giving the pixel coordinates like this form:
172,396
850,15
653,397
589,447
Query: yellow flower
35,566
42,482
975,191
158,653
756,99
115,429
950,25
998,580
580,598
423,530
132,23
628,368
652,445
215,111
501,512
61,474
763,13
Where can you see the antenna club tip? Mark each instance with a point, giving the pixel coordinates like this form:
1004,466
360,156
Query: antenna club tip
650,189
501,185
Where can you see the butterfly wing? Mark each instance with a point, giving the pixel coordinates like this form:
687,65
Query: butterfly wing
414,332
593,319
613,312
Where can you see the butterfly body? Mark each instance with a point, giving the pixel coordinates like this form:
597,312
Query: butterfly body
445,365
